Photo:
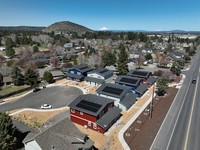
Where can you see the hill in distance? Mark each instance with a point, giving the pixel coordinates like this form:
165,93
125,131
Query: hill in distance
67,27
21,28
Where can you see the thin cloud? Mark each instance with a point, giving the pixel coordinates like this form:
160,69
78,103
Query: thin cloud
104,28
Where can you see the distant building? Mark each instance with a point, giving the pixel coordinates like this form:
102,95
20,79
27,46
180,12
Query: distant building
68,45
139,74
63,135
94,112
151,80
77,73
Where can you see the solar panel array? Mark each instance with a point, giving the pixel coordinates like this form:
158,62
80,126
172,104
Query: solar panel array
129,80
93,107
112,90
140,73
103,71
82,68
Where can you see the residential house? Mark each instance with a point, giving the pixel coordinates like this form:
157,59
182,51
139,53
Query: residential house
77,73
129,81
139,74
94,112
150,81
61,136
141,89
119,93
98,76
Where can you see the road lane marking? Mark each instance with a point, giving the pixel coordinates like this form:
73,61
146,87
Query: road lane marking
191,114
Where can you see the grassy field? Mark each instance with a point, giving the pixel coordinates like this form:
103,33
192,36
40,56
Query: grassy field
10,88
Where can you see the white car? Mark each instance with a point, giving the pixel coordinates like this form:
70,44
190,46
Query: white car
46,106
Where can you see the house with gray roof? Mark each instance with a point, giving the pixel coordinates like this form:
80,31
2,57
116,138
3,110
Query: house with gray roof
122,95
77,73
139,74
98,76
141,89
151,80
94,112
63,135
129,81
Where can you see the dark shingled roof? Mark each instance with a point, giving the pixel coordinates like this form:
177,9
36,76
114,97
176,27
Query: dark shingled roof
129,100
107,118
83,69
124,90
106,73
139,73
142,88
96,80
74,76
61,136
127,80
151,80
100,101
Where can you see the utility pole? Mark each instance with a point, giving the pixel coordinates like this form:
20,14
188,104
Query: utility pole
151,104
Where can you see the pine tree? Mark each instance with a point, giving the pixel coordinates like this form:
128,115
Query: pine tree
47,76
16,75
122,66
7,139
31,77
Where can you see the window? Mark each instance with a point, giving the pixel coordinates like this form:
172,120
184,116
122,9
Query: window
72,110
89,123
81,113
94,125
72,72
78,73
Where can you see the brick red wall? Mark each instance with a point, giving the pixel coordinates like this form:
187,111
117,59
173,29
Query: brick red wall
85,122
85,116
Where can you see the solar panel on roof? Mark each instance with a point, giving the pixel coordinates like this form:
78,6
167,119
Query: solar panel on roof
140,73
112,90
83,68
128,80
93,107
103,71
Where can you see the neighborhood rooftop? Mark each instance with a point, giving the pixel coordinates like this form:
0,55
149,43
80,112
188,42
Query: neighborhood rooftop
90,104
95,80
151,80
83,68
61,135
113,90
142,88
129,100
140,74
106,73
104,121
128,80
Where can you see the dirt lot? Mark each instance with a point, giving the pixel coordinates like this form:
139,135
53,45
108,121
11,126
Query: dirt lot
36,119
140,135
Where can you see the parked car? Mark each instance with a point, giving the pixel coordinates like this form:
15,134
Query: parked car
46,106
36,89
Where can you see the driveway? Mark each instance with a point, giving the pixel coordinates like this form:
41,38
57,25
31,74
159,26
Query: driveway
58,96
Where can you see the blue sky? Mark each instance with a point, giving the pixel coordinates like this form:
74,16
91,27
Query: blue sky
112,14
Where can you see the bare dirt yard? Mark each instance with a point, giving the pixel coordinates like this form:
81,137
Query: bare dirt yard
36,119
140,135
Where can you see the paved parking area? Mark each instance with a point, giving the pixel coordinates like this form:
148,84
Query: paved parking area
57,96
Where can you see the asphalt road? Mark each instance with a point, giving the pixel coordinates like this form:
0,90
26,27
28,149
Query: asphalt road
58,96
180,129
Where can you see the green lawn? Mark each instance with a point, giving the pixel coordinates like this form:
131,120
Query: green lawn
11,88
